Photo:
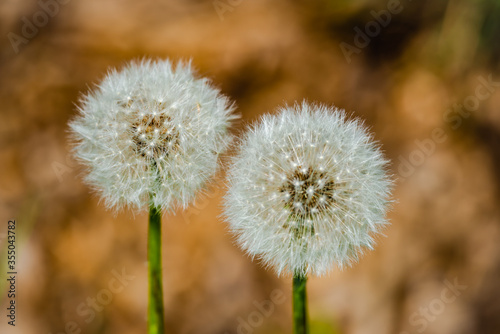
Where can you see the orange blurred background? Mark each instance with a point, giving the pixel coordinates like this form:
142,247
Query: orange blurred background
424,75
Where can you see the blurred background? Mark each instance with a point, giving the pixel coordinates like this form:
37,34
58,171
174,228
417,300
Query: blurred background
425,77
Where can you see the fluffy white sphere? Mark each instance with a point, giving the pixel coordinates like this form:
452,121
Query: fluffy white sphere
154,131
307,190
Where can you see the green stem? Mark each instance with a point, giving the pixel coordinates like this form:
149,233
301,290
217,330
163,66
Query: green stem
155,307
299,299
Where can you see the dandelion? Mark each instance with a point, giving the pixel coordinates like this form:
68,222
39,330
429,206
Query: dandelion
151,136
151,133
307,191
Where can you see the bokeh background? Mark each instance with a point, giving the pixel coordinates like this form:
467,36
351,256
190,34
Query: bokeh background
437,270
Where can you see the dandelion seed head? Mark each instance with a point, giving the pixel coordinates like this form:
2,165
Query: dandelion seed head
151,129
331,190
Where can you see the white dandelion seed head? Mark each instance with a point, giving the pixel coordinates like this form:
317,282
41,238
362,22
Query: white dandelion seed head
308,190
151,129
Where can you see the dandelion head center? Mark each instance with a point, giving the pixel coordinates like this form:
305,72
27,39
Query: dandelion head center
153,133
308,192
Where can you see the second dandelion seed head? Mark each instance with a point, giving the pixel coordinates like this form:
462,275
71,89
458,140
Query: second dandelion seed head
307,190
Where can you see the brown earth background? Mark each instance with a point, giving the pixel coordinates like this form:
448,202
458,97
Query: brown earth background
403,81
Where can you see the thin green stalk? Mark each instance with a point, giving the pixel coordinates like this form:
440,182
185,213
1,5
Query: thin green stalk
155,306
299,299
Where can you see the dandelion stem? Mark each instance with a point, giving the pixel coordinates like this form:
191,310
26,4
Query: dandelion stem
155,307
299,297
